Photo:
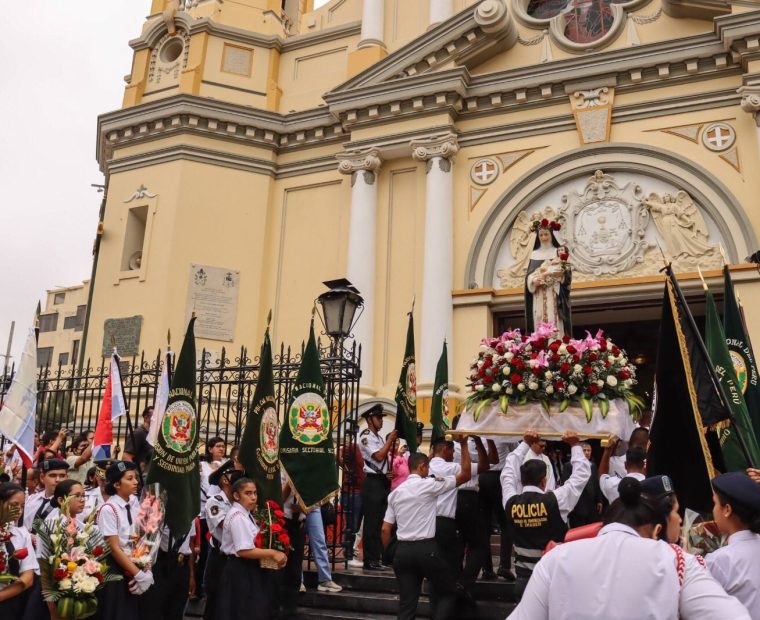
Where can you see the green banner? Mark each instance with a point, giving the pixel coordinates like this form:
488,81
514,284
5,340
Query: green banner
740,348
307,454
439,410
715,340
175,455
259,446
406,393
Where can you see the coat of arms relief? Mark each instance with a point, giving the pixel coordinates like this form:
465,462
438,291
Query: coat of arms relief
613,230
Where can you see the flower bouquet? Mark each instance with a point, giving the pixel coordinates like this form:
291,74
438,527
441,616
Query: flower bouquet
700,536
8,517
542,367
72,565
145,538
272,533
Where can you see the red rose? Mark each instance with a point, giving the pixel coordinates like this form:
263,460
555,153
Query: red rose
544,223
587,370
487,362
592,357
276,528
539,344
564,256
284,540
565,368
99,577
593,389
606,364
556,226
488,380
571,349
624,374
272,504
279,514
97,551
21,553
533,355
515,378
555,357
259,540
500,348
615,351
565,339
559,384
537,371
60,573
2,566
518,363
602,345
554,346
576,358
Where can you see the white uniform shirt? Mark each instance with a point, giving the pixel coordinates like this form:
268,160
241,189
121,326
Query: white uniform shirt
206,488
32,508
446,505
617,466
185,548
503,448
412,506
472,483
217,507
93,499
551,479
240,530
567,495
737,568
113,519
620,575
369,443
21,539
609,484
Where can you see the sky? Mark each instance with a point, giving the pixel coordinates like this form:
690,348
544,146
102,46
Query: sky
63,64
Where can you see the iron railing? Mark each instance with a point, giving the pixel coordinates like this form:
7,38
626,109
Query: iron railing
70,397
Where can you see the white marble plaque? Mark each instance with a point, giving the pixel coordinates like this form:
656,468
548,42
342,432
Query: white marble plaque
212,293
237,60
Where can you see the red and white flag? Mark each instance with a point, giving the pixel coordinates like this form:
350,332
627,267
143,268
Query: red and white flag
111,408
162,398
17,412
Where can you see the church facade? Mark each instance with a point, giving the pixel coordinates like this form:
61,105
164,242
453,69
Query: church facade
264,147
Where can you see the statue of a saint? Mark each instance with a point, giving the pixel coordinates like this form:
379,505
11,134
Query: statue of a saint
547,281
680,224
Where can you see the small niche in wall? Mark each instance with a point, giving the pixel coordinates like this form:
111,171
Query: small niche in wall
134,238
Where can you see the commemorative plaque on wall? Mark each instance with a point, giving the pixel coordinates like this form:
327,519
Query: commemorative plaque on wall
124,334
212,292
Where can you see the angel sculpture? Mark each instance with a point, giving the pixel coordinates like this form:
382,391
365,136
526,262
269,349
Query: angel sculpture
520,244
680,224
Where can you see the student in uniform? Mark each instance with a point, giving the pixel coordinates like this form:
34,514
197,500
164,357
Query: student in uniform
217,507
118,600
374,494
736,511
22,560
210,462
535,516
625,572
96,496
446,533
245,586
412,508
635,467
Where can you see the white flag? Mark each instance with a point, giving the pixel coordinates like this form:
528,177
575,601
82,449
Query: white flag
162,398
18,410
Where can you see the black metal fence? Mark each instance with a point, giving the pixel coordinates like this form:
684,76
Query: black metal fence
70,397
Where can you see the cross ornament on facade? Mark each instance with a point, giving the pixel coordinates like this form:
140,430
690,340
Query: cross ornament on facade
719,137
484,171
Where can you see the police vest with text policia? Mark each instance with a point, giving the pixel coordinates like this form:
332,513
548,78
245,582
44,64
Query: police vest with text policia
534,519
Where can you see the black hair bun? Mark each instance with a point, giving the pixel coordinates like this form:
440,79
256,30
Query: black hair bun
630,492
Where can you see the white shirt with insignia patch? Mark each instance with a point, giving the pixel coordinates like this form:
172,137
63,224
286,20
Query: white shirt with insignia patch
217,507
446,506
369,443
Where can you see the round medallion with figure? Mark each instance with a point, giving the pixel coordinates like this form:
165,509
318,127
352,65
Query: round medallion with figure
411,383
179,427
268,436
740,368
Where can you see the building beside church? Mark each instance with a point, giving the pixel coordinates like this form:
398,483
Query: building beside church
61,324
264,147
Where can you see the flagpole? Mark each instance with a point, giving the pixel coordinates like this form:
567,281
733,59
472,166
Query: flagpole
711,369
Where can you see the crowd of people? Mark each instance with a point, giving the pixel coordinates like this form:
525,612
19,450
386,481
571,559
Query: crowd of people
422,514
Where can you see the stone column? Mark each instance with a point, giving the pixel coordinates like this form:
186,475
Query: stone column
361,261
751,103
437,316
440,11
373,23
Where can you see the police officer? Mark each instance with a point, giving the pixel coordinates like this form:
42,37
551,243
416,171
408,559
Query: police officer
412,508
534,517
377,484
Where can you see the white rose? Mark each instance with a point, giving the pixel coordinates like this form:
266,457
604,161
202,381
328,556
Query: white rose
496,387
550,389
479,388
628,383
480,364
548,374
506,370
533,385
509,356
571,389
509,390
611,359
600,383
528,348
562,349
623,360
521,387
64,584
612,380
89,585
577,368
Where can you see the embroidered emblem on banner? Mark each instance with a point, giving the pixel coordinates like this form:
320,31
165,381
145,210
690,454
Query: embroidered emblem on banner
309,419
179,426
268,436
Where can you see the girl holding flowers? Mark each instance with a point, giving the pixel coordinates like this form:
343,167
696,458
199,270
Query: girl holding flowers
118,600
17,558
244,588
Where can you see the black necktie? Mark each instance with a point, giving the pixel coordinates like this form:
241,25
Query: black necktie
129,513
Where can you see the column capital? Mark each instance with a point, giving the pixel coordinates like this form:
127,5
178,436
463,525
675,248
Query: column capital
442,145
750,98
359,159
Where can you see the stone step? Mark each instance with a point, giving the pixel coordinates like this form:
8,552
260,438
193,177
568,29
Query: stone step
359,602
329,614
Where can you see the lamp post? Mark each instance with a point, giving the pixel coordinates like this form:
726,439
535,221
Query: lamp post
339,305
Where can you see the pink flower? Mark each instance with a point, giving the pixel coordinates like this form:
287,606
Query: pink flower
91,567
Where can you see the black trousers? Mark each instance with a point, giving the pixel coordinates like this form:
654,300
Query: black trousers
449,544
490,495
214,568
167,597
418,560
471,521
375,489
200,568
36,608
289,578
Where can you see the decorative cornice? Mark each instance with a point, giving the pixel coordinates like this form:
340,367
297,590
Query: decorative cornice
740,35
750,94
359,159
443,145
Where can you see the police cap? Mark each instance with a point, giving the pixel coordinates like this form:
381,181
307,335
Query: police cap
376,409
53,464
739,488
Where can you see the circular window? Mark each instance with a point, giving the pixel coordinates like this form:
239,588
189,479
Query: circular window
171,50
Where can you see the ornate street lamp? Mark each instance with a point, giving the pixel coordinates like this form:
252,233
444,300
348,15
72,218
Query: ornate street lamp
339,305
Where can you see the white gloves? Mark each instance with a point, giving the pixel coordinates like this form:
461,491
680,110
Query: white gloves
141,582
